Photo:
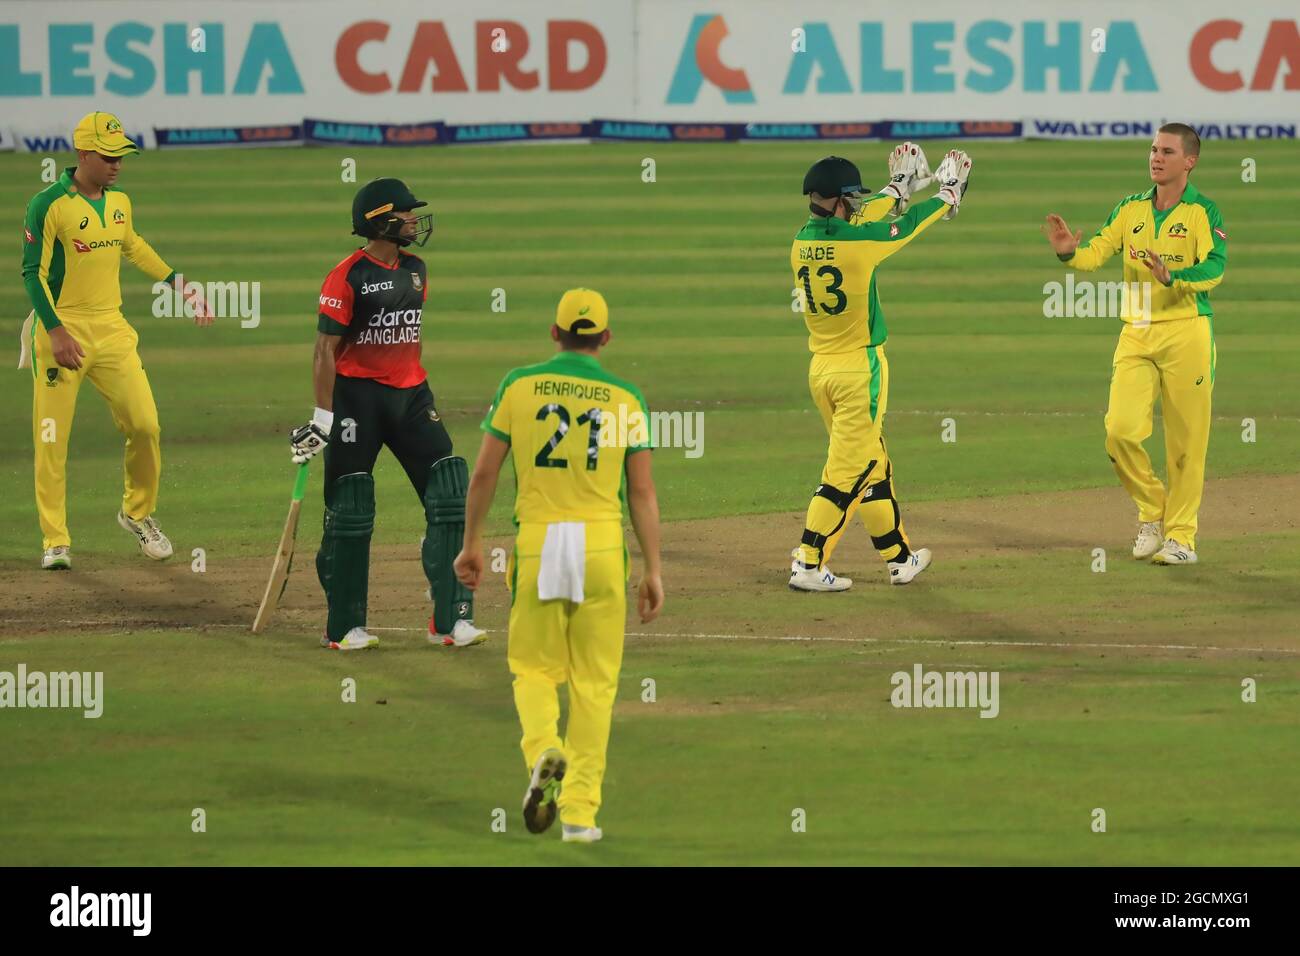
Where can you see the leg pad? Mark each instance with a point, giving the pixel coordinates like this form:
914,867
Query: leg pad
444,510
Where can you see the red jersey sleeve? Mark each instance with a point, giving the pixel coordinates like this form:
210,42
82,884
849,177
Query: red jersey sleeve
336,294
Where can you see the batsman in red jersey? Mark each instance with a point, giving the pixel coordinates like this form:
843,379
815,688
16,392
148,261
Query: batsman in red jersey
371,392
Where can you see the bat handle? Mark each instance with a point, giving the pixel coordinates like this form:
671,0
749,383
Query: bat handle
300,483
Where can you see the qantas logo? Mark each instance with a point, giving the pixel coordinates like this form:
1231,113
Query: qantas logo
30,237
893,231
97,244
1135,253
1220,233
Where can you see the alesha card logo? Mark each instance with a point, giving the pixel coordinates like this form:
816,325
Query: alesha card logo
701,60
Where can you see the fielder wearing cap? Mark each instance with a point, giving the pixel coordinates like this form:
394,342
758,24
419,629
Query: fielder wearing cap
76,232
576,434
372,392
834,258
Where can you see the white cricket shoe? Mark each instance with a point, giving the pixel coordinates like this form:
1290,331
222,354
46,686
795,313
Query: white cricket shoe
1148,540
580,834
463,634
543,787
901,572
1174,553
153,542
57,559
814,579
354,640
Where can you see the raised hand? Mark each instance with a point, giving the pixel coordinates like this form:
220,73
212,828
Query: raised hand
1059,235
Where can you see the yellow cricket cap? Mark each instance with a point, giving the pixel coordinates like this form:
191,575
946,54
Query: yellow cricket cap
583,311
102,132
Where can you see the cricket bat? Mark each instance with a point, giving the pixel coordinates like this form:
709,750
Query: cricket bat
284,554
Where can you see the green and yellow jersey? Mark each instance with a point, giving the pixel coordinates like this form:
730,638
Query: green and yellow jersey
1190,238
570,425
834,265
72,249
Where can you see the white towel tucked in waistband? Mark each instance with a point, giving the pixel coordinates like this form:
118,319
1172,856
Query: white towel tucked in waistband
24,340
564,562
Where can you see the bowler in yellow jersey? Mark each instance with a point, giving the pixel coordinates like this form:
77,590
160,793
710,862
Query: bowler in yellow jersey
1173,236
563,424
834,258
75,234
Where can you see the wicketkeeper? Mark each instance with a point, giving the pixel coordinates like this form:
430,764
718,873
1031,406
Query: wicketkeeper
371,392
834,258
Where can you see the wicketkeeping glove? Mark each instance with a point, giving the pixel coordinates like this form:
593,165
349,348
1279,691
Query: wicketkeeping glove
953,176
908,170
309,440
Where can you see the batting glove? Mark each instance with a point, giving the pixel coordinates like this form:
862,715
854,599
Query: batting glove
908,170
310,440
953,176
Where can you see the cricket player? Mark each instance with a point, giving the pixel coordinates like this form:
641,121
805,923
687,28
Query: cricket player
371,392
76,231
834,258
1174,235
562,422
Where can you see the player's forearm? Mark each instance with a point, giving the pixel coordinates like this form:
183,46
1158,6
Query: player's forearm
643,504
144,258
39,295
323,374
482,489
1085,258
1201,277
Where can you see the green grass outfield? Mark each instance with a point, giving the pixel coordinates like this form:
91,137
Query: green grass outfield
695,267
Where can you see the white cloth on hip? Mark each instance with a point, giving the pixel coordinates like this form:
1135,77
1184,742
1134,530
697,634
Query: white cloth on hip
24,340
564,562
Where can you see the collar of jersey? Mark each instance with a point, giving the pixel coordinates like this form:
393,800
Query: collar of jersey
562,357
1190,195
70,187
379,262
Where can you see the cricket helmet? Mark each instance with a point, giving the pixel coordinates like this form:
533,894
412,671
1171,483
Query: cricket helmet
373,212
832,177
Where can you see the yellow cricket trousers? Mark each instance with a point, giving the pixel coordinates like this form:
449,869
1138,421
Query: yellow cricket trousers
851,391
1174,359
556,642
113,366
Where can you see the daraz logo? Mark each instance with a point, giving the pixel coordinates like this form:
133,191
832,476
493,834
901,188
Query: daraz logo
700,61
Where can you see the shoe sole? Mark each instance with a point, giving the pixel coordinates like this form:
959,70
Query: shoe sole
566,838
439,639
540,809
57,566
818,590
332,646
1170,564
